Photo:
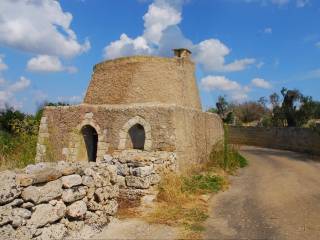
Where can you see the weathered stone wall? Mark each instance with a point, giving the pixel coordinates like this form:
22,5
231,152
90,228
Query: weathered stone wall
60,127
188,132
60,200
196,134
294,139
55,200
143,79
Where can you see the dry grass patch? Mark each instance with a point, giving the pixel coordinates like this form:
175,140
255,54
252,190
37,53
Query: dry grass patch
180,201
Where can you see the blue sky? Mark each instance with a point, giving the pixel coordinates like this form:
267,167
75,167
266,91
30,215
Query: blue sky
243,49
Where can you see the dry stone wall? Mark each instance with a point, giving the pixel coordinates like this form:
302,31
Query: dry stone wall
294,139
64,200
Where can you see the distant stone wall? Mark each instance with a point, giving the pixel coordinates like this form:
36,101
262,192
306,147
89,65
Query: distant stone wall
294,139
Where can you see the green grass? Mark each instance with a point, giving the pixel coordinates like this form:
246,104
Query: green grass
17,151
203,183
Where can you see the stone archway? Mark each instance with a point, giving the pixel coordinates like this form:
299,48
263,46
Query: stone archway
78,149
138,131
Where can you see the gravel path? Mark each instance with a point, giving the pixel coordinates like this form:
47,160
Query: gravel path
276,197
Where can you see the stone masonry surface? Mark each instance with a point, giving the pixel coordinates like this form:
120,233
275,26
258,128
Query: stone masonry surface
158,95
62,200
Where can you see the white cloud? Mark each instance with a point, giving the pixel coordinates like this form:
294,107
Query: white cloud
126,46
317,44
40,27
3,66
211,55
232,89
45,63
162,34
268,30
261,83
159,17
211,83
8,91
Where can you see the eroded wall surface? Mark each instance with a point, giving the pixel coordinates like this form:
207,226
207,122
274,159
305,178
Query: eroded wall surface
143,79
196,134
189,133
294,139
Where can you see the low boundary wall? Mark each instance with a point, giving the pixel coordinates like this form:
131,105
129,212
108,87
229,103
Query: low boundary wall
290,138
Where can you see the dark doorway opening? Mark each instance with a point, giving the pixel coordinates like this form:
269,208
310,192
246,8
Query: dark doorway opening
90,137
138,136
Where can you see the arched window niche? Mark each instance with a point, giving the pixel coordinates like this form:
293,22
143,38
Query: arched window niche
89,143
135,134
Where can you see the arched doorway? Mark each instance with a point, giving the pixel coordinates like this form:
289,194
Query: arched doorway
137,136
90,138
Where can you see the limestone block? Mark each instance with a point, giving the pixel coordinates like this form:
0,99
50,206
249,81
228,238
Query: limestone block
5,215
112,169
137,182
111,208
46,213
87,181
24,180
43,172
142,171
45,193
71,180
77,209
27,205
8,187
121,181
74,194
105,193
7,232
16,202
107,158
53,232
21,212
122,169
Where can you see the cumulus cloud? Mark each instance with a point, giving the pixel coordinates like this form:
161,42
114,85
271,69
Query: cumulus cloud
231,88
261,83
210,83
3,65
46,63
159,17
127,46
211,55
40,27
161,34
8,91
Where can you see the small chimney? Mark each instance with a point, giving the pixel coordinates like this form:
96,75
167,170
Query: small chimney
182,52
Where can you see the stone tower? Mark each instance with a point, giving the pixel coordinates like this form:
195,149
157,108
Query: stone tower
142,102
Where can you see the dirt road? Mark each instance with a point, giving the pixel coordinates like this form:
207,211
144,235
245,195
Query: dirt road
276,197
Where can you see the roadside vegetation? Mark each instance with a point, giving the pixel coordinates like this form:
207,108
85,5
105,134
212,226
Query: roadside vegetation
182,200
290,108
18,136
